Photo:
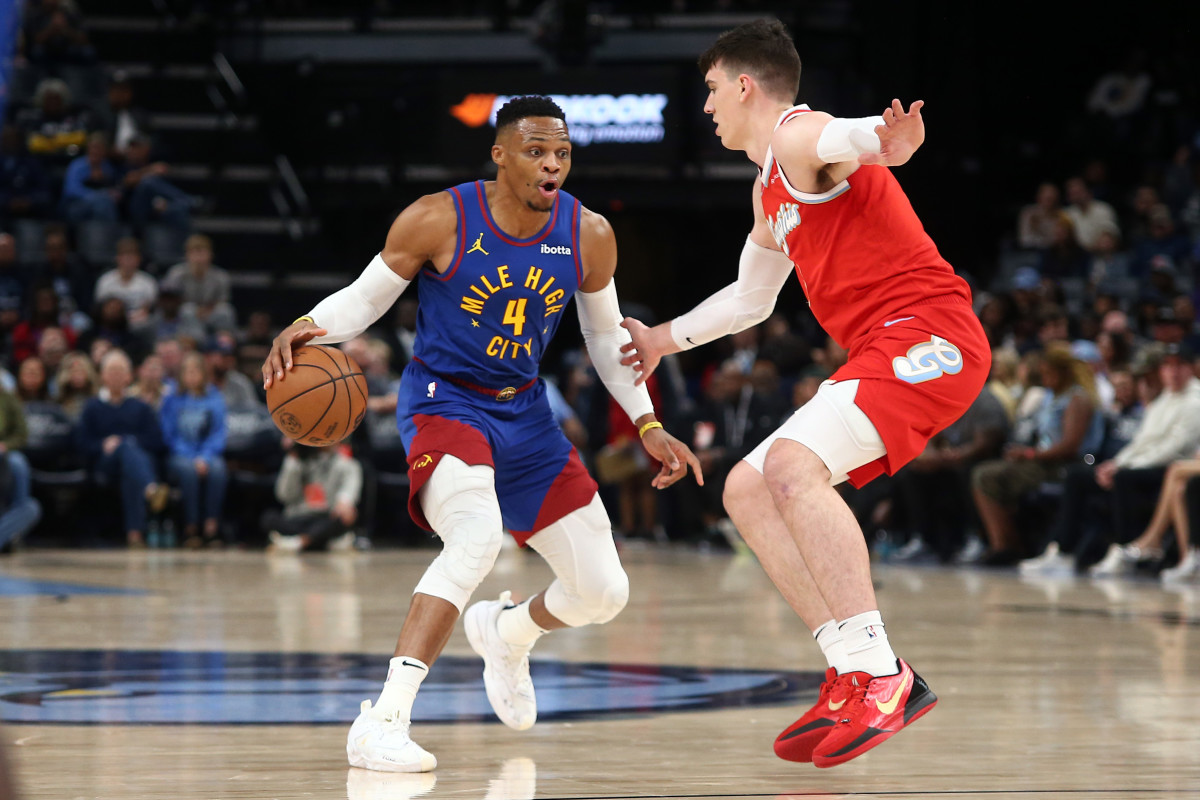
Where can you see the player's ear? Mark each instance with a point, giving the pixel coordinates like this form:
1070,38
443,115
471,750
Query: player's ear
498,154
744,84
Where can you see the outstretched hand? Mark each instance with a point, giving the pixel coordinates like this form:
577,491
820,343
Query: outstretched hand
641,354
674,455
279,360
899,136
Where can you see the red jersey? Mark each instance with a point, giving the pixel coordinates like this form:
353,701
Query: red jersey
860,252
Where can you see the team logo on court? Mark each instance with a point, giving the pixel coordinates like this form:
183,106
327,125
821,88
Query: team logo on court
927,361
423,461
272,688
478,247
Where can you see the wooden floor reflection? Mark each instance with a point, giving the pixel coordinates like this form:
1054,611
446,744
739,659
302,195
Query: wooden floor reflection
1056,689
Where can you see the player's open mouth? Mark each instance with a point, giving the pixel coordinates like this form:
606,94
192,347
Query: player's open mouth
548,189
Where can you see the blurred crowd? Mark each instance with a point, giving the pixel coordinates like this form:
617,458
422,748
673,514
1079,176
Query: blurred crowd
131,408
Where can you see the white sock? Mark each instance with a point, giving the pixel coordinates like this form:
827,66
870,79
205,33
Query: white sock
517,627
829,639
866,643
405,674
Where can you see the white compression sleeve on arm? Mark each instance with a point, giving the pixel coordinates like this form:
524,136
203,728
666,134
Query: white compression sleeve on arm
847,139
348,312
761,274
600,321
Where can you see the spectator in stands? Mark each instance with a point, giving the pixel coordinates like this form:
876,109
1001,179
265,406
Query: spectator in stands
128,283
1164,246
1108,263
45,312
151,386
54,131
112,325
1085,506
69,274
76,384
373,357
33,381
149,196
1063,258
1066,426
399,334
204,286
193,425
1178,508
91,190
121,437
122,120
1170,431
1145,199
1185,316
171,352
1003,381
25,189
1038,223
167,322
1090,216
238,391
319,488
255,343
54,34
52,349
934,487
19,511
12,291
782,347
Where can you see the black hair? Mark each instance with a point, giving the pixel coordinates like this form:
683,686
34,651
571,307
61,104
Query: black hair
532,105
762,49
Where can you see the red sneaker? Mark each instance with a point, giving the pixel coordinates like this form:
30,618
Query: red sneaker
797,742
877,709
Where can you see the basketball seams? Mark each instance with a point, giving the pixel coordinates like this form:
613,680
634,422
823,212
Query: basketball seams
339,368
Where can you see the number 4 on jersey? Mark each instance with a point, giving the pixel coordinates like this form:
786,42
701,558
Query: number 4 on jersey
514,315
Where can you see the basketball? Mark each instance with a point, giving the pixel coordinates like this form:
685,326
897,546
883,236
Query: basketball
322,399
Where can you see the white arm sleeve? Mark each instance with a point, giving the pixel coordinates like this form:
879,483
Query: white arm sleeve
847,139
348,312
600,321
761,274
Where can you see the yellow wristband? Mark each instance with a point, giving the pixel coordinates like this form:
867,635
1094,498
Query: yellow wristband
305,317
649,426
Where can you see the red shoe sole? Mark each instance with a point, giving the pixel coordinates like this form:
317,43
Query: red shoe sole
800,748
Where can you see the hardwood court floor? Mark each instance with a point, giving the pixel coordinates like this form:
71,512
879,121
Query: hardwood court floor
203,679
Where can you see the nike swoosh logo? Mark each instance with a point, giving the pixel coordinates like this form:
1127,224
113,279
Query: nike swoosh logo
890,706
408,663
892,322
689,339
835,706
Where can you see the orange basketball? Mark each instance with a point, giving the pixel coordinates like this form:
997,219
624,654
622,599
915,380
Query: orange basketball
322,399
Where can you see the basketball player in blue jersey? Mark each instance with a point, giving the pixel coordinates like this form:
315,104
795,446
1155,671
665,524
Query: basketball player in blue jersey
498,262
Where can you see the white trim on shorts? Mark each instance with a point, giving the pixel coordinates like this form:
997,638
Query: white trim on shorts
833,427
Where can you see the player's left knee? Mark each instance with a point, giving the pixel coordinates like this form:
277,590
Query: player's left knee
791,469
605,602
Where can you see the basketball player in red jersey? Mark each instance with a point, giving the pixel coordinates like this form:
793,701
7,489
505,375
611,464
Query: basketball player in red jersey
827,206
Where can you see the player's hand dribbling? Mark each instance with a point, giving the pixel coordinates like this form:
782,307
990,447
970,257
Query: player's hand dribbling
674,455
642,353
279,360
899,136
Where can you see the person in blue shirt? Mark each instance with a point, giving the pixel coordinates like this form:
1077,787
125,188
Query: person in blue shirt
120,437
90,188
193,424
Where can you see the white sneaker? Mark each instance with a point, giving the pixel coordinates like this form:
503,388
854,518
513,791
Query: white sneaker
383,744
1187,568
343,543
1119,560
505,666
285,544
1050,562
971,552
365,784
912,550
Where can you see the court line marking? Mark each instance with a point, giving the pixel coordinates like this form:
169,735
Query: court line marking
1166,617
900,793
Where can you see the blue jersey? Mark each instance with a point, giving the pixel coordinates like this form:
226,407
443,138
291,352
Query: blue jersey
489,317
